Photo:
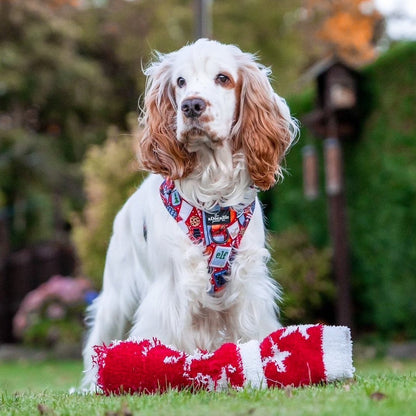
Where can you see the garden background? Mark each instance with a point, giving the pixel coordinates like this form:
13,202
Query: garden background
70,80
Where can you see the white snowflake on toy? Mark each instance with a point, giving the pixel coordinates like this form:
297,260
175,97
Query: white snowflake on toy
277,358
172,359
205,380
302,329
197,355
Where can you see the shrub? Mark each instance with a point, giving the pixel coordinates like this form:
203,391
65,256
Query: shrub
381,197
111,176
304,272
53,313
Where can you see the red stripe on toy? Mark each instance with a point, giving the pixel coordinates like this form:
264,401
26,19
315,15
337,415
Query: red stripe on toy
151,367
217,371
293,356
147,366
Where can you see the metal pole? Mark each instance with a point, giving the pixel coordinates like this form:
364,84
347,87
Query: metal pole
203,18
338,223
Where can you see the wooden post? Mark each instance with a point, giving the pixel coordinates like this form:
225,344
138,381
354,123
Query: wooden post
336,119
338,223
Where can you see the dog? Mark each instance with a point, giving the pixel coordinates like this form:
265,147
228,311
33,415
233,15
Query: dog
187,261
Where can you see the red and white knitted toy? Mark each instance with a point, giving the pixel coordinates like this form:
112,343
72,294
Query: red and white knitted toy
291,356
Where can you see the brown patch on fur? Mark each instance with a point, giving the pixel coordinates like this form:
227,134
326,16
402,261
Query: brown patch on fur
159,150
197,136
205,118
237,92
262,133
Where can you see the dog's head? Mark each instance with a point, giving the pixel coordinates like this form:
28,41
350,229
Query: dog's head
204,95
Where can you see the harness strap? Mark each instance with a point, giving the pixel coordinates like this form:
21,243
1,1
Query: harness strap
220,231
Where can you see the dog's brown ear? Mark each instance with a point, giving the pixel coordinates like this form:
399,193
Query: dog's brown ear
264,129
159,151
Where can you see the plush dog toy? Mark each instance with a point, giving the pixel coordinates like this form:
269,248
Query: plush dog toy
291,356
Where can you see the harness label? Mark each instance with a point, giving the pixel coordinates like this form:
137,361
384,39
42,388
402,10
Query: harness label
217,218
220,256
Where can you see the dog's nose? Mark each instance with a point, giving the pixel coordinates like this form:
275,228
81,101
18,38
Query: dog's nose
193,107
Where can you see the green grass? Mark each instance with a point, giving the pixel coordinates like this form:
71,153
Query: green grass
42,388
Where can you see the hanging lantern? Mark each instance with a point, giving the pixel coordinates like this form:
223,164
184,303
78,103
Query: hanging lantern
333,166
310,172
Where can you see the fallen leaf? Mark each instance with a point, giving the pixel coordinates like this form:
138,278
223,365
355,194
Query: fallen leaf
289,391
377,396
45,410
125,411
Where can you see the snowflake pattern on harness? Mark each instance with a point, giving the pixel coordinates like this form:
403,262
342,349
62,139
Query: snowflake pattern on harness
220,231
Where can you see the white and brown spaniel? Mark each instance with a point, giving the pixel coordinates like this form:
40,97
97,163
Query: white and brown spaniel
187,261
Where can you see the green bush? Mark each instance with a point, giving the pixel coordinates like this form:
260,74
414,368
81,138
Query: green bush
33,181
304,272
381,168
54,102
52,314
111,176
380,173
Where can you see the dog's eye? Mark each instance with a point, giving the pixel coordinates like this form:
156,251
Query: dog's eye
181,82
222,79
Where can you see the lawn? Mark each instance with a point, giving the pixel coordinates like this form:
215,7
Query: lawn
41,388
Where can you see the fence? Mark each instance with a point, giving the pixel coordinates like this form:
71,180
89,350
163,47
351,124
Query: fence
23,271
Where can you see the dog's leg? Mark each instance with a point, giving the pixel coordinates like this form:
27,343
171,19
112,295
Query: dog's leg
161,315
255,314
110,314
107,324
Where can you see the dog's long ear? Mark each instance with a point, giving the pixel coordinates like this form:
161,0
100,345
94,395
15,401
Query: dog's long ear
159,151
264,128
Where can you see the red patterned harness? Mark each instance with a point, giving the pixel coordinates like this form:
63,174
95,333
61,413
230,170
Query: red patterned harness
219,231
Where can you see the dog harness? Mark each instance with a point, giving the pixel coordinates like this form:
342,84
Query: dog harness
220,231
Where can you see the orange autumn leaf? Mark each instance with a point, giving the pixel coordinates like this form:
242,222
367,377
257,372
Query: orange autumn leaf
348,28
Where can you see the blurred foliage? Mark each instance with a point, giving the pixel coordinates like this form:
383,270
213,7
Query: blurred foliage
121,35
111,176
381,196
52,314
382,167
54,102
70,69
47,85
269,28
304,272
349,29
31,178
